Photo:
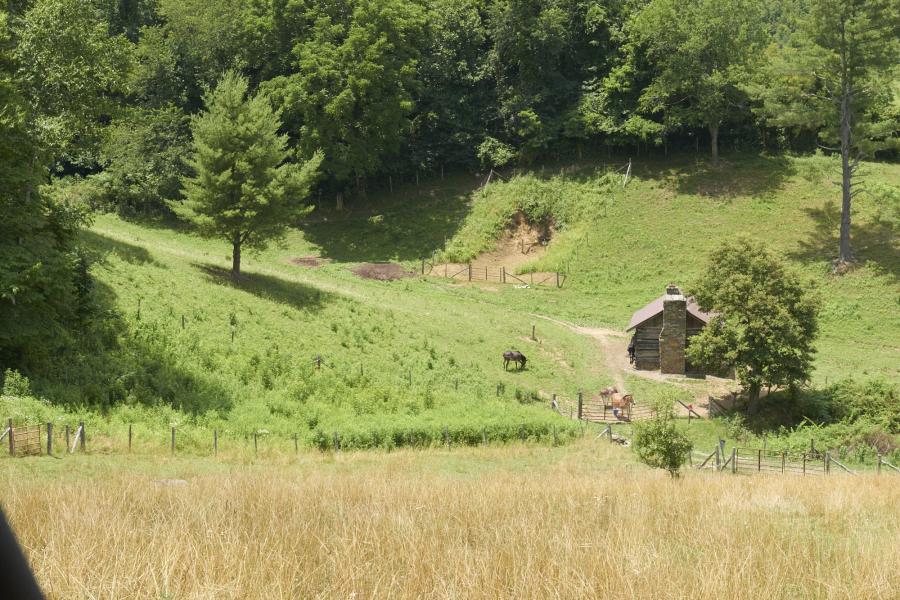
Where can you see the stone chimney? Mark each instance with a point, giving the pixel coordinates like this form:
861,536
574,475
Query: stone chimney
673,337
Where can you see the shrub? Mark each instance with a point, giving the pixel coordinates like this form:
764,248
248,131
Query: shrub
659,444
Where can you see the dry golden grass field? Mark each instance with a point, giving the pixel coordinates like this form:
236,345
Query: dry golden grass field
515,522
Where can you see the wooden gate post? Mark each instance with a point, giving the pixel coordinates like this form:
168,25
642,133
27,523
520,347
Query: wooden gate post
470,271
49,438
580,404
734,460
503,274
759,460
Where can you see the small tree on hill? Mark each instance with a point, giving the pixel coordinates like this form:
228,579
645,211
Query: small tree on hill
244,188
658,443
765,319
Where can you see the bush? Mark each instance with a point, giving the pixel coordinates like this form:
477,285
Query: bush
659,444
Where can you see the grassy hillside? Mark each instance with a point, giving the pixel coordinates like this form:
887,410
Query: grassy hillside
621,246
183,343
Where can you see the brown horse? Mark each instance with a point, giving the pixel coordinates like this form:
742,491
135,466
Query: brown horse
514,356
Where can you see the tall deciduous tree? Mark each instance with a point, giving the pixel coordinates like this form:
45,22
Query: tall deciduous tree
765,321
244,187
352,94
71,74
834,71
703,52
39,295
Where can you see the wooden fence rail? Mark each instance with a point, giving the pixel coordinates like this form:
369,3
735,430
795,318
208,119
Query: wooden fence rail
472,272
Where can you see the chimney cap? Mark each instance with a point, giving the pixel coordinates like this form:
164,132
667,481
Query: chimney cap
673,290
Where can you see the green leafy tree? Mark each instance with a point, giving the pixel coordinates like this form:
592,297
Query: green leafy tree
39,295
244,188
765,319
144,160
834,71
71,74
352,94
657,441
702,52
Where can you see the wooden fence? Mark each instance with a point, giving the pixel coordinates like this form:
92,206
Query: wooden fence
596,409
471,272
761,460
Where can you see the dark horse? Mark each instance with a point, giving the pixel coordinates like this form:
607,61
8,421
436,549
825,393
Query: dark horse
514,356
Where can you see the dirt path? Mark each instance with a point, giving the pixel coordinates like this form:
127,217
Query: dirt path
614,354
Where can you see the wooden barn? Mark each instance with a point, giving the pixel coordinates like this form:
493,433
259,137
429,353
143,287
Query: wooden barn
663,330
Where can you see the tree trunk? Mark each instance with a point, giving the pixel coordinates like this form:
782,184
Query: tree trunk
714,142
236,256
846,252
753,393
339,201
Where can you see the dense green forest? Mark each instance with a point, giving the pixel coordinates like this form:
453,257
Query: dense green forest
126,106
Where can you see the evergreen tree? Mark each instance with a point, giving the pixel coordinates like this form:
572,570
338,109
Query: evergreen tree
244,187
835,72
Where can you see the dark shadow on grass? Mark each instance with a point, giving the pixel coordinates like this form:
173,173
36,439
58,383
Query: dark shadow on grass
873,241
409,224
112,361
130,253
739,175
268,287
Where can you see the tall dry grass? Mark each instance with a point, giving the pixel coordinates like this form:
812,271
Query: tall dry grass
389,528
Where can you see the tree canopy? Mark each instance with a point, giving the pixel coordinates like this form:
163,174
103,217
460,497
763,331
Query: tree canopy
244,187
765,319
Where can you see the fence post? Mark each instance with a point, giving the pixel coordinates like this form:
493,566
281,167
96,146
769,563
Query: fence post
557,279
67,439
12,443
609,432
503,274
734,460
470,271
83,436
783,460
296,446
804,463
129,438
827,462
580,403
533,337
49,438
423,266
759,460
215,442
718,460
173,440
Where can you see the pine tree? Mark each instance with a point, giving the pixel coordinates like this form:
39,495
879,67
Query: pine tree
244,187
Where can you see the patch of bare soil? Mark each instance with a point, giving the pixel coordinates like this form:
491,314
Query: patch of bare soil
382,271
522,242
311,262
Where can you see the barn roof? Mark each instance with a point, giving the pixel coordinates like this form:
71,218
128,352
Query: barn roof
656,307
